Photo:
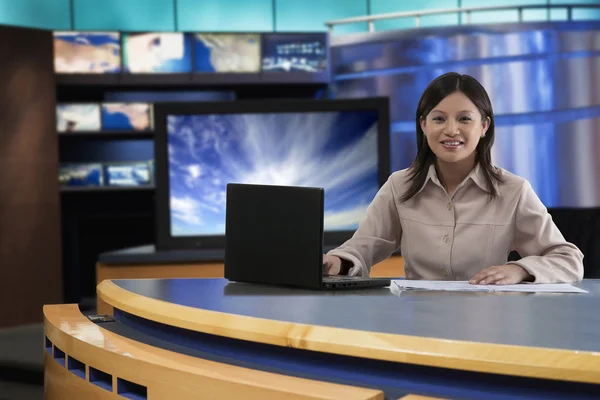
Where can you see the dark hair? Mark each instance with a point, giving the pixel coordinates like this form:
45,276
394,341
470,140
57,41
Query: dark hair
438,89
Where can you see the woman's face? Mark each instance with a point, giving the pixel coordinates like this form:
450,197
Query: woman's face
453,128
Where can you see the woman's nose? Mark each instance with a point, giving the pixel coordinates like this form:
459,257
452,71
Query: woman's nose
451,128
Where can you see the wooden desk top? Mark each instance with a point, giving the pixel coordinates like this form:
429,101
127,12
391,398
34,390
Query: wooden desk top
554,336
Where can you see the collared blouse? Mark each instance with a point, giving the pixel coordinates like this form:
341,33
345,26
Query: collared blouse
445,237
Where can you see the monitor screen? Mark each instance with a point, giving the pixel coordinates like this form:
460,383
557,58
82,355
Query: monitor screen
78,117
333,150
157,52
80,175
127,116
87,52
128,174
294,52
223,52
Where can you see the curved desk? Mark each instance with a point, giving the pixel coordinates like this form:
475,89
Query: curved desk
442,344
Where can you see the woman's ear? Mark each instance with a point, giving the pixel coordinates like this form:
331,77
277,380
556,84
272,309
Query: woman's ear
422,122
485,125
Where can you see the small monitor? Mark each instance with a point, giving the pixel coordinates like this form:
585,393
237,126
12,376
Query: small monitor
87,52
128,174
157,52
126,116
339,145
79,175
295,52
78,117
225,52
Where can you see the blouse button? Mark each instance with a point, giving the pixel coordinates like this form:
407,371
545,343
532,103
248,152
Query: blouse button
446,239
449,206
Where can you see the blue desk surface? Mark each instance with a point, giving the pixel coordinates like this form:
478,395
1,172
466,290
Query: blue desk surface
449,344
557,321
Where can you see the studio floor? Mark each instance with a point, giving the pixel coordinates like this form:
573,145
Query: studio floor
22,363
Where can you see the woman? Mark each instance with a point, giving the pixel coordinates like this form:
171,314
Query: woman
453,215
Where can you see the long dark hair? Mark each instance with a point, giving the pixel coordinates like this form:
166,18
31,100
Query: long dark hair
438,89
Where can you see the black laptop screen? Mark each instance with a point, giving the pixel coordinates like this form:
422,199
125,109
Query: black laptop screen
335,150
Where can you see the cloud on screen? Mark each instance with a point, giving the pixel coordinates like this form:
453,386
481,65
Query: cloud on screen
333,150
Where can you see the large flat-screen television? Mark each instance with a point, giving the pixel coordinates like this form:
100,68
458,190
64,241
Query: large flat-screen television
339,145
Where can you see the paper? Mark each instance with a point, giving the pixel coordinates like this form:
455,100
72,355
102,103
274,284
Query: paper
465,286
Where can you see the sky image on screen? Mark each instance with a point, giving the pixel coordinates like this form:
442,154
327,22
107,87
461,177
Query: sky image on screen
80,175
337,151
294,53
87,52
157,52
78,117
126,116
224,52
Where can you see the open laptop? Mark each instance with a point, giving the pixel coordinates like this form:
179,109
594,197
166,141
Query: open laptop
274,235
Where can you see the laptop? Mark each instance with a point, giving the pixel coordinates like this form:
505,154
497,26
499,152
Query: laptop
274,235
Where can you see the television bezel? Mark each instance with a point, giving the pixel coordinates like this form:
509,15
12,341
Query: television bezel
166,241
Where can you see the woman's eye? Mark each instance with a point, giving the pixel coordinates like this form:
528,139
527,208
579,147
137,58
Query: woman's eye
465,119
438,119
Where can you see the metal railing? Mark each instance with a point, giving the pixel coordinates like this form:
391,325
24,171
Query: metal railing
370,19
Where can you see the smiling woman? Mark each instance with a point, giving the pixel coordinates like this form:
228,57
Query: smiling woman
453,214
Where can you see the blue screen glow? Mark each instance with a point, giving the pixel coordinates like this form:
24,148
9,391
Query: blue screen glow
333,150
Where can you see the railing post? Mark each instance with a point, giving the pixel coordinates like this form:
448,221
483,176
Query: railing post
569,13
417,21
468,17
520,10
330,28
371,25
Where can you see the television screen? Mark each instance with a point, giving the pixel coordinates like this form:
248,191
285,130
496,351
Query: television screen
80,175
128,174
294,52
157,52
87,52
335,150
222,52
127,116
78,117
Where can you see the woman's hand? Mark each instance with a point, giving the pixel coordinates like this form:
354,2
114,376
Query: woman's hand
332,265
508,274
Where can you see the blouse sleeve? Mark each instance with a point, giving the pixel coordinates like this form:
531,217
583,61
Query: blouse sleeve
545,253
378,234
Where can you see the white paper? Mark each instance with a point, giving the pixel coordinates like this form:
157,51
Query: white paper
465,286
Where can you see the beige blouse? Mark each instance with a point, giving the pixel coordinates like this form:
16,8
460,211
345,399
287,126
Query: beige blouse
453,238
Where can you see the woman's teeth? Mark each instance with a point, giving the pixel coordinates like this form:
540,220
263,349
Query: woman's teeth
452,144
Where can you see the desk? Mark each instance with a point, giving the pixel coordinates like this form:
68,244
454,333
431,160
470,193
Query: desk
443,344
144,262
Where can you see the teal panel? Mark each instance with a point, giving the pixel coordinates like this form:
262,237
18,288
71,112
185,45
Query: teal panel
124,15
391,6
311,15
560,14
508,15
225,15
45,14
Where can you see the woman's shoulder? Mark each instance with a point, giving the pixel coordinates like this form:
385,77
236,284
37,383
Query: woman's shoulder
510,182
400,178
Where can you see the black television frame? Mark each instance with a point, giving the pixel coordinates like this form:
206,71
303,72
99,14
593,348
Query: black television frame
164,239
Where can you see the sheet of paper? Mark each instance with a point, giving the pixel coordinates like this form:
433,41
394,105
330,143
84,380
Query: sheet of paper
465,286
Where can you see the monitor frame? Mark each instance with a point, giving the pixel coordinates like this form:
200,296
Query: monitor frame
164,239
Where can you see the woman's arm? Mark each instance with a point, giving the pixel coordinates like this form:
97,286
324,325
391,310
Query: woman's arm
545,253
377,236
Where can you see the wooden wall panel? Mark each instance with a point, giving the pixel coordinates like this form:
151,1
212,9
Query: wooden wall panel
30,246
